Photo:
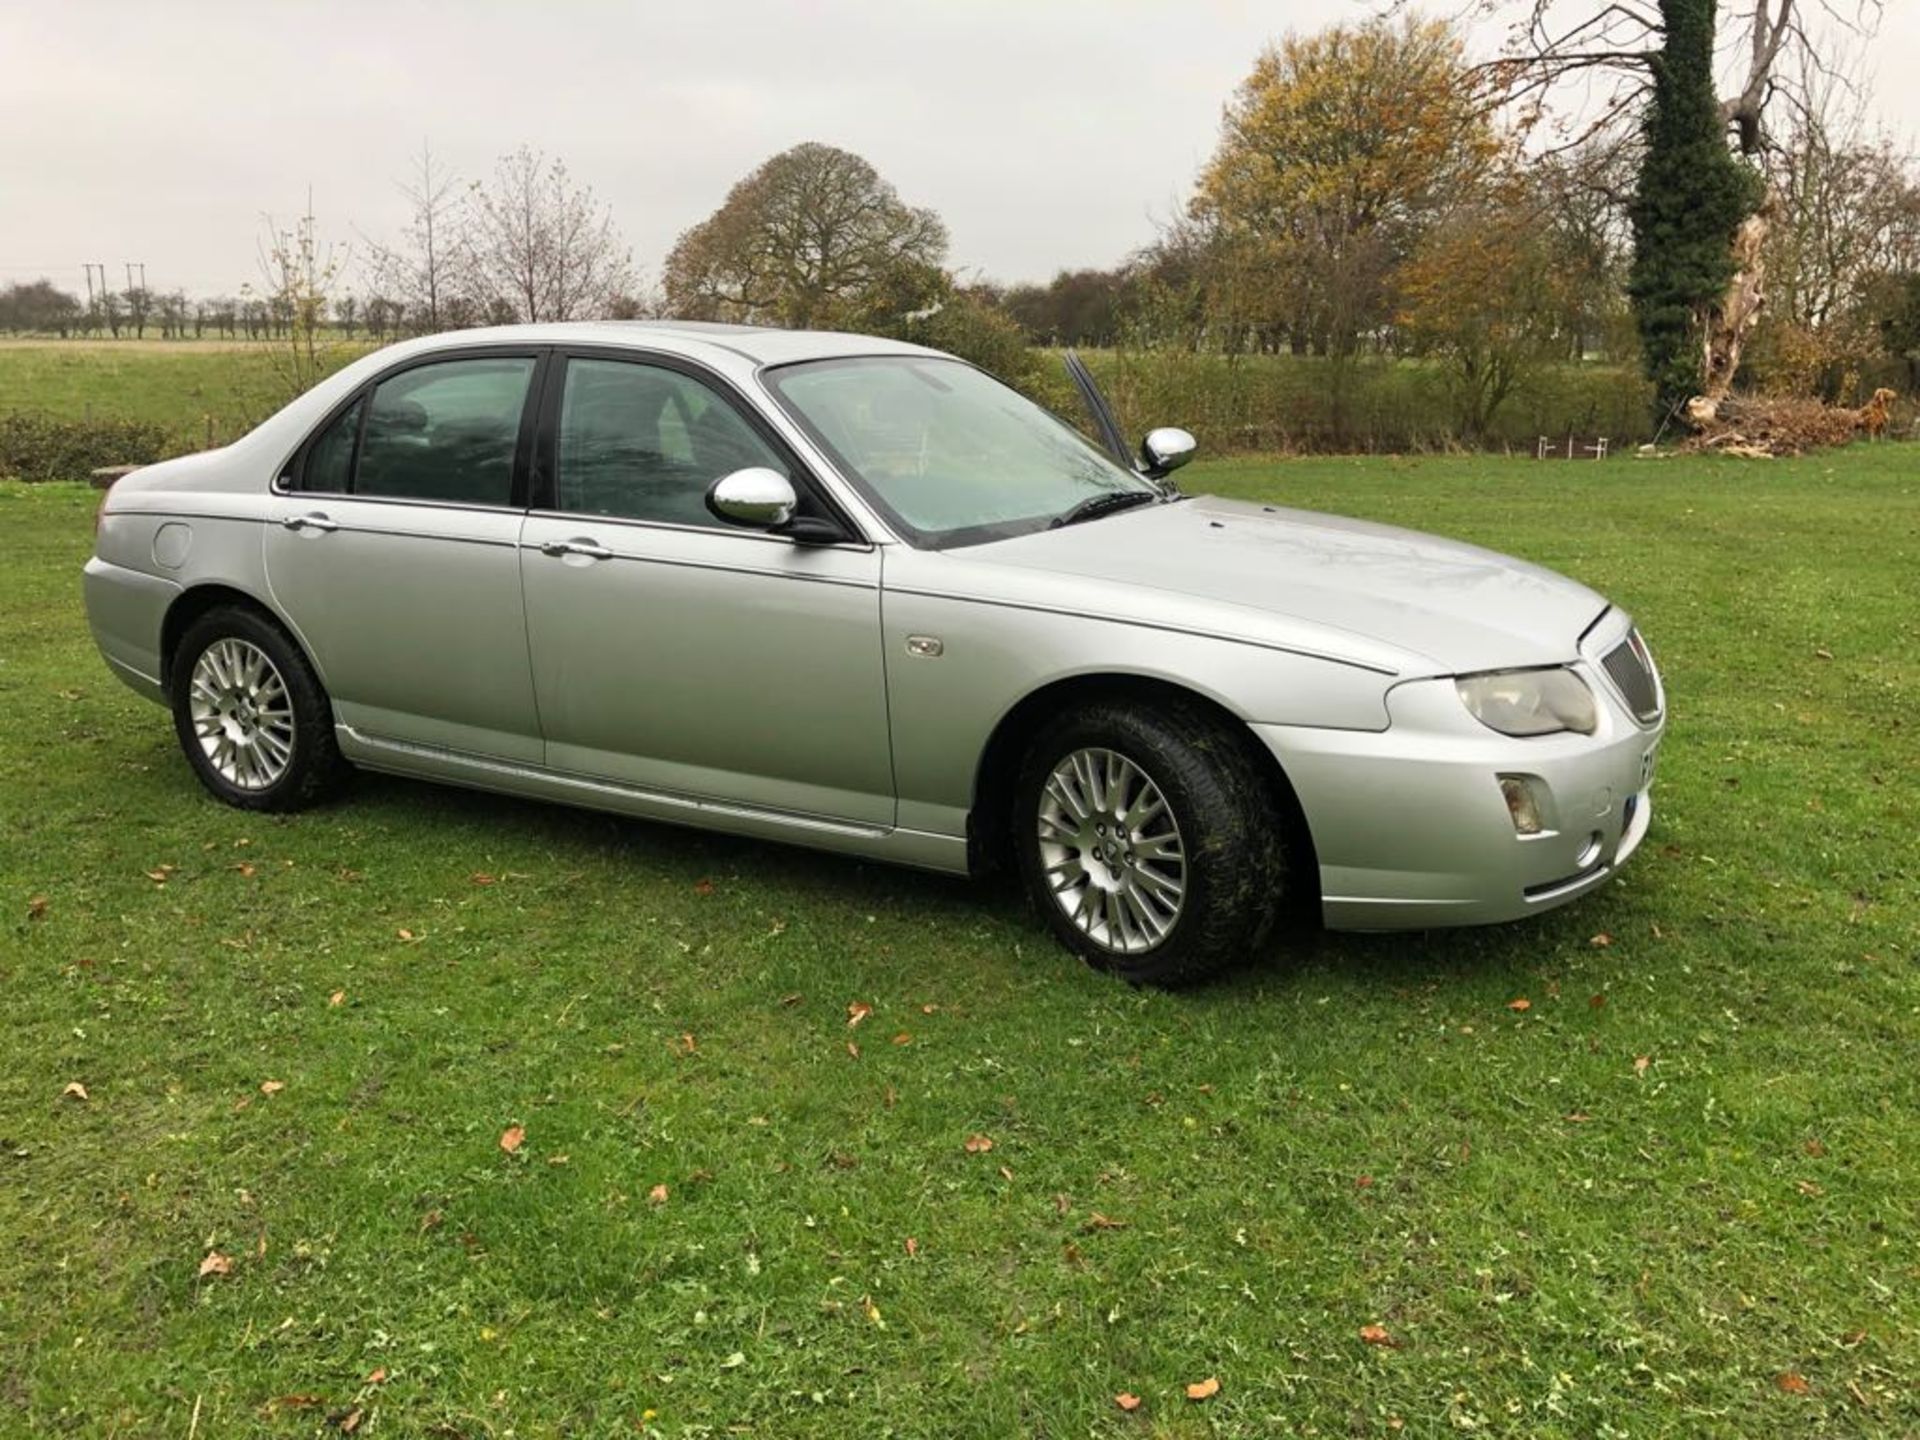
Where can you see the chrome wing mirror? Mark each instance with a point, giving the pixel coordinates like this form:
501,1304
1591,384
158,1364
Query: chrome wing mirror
1164,451
756,496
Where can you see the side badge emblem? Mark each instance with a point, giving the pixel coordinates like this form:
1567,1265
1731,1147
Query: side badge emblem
928,646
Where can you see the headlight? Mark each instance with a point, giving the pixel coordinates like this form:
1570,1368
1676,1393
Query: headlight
1530,702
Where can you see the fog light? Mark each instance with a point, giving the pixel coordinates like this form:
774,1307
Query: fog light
1591,851
1522,808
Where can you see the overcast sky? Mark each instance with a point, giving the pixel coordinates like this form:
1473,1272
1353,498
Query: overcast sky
1047,133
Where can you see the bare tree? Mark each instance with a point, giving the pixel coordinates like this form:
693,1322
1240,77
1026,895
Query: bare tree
297,277
539,247
424,271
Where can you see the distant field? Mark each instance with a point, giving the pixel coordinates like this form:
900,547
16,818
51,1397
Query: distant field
181,385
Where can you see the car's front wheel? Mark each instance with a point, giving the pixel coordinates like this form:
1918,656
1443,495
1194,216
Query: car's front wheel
251,715
1149,840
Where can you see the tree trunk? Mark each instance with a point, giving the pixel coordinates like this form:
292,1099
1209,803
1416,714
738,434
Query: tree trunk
1727,322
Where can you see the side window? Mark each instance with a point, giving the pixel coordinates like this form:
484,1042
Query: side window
329,467
641,442
445,431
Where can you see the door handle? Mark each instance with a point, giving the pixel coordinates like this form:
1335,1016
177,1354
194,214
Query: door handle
589,548
314,521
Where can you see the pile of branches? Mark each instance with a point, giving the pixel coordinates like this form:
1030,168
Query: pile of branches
1763,426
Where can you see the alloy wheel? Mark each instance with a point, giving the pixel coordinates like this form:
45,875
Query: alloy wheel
242,714
1111,851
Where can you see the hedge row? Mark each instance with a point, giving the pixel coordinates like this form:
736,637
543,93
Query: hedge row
37,447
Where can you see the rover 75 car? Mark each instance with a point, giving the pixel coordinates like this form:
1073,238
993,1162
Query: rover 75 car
857,594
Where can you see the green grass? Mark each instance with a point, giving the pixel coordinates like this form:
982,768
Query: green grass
193,388
1687,1170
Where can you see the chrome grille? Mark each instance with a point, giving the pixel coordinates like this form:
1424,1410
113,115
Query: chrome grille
1630,666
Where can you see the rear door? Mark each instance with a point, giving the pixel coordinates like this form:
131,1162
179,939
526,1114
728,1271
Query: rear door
394,552
675,652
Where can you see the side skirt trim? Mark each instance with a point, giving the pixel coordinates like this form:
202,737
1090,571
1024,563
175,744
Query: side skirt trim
404,757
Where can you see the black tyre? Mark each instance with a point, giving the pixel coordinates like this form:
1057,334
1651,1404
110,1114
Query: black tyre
1148,839
251,715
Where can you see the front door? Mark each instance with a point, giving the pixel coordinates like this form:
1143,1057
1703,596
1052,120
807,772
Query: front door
674,652
393,550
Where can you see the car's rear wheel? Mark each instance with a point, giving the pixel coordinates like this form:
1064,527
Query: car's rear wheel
1149,840
251,715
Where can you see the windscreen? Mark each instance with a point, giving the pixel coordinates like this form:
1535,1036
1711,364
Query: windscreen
949,454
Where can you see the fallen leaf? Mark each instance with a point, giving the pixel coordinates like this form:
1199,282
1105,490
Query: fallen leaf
1006,1173
1364,1182
792,1000
1792,1382
1377,1335
74,1090
1853,1338
1815,1147
873,1311
1062,1204
903,1038
378,1377
1521,1004
858,1011
913,1247
1203,1389
1126,1402
272,1087
432,1220
512,1138
734,1361
1822,653
1640,1064
703,887
246,869
1602,940
480,877
1809,1188
406,935
294,1402
1598,1002
1070,1252
853,1050
657,1195
37,908
337,999
159,873
1097,1221
1579,1117
683,1046
928,1009
978,1144
215,1264
557,1159
350,1422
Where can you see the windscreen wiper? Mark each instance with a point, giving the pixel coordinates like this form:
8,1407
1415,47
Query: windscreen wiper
1104,503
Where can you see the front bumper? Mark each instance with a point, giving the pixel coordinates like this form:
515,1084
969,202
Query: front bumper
1412,831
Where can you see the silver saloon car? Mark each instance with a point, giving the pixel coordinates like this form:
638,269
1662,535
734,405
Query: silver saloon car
856,594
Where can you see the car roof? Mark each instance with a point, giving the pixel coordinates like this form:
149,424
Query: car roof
706,339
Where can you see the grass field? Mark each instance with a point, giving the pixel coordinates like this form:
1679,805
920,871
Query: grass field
185,386
1673,1195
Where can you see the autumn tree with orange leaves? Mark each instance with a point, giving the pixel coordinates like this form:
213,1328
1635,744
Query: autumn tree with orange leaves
1337,153
1487,295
